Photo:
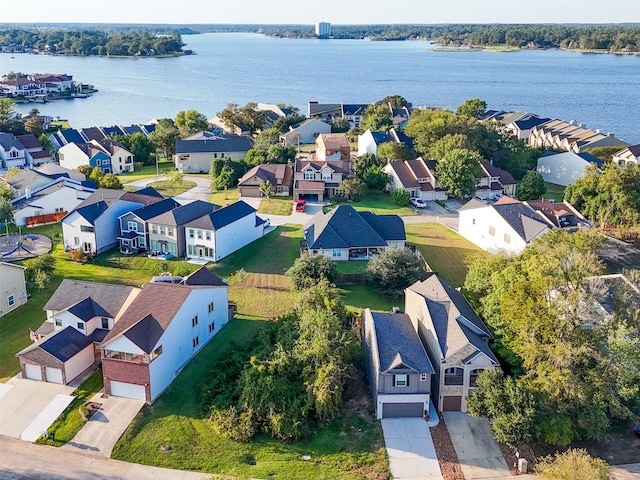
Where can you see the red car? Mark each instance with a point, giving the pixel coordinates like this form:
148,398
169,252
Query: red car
300,204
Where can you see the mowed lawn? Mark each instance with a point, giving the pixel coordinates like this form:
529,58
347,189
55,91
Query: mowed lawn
378,203
446,252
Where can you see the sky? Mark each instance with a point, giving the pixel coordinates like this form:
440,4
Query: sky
334,11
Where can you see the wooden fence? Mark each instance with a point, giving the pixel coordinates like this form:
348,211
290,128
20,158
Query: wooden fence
45,219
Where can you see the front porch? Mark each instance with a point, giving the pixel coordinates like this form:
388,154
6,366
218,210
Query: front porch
132,242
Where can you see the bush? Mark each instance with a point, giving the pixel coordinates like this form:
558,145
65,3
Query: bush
400,196
44,263
394,269
574,464
77,255
309,269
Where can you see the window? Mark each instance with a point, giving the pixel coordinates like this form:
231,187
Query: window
105,323
473,221
212,327
84,228
492,231
76,241
59,210
336,253
401,380
473,376
170,231
142,242
191,250
154,229
309,174
11,300
58,322
171,248
161,229
132,226
191,233
155,245
195,342
207,235
454,376
210,307
199,233
80,325
194,321
507,238
423,377
326,175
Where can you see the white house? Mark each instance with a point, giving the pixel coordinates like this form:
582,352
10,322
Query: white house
195,153
305,132
416,177
507,226
50,203
93,225
13,288
217,234
627,156
159,333
12,152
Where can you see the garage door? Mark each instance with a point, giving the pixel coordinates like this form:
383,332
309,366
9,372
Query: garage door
33,372
395,410
309,197
54,375
128,390
250,192
451,404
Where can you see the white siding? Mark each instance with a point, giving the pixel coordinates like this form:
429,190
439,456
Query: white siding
72,157
71,229
79,363
66,198
474,225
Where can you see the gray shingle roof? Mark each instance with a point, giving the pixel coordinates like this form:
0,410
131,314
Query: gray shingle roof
399,344
522,218
203,277
63,344
87,309
155,209
9,141
71,292
230,143
223,216
25,178
186,213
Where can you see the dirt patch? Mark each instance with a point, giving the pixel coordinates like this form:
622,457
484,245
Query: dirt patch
618,255
524,451
27,245
446,453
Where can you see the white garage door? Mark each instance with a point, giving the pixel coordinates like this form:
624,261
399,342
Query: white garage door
33,372
128,390
54,375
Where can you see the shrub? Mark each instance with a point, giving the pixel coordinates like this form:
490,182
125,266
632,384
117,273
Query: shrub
574,464
393,270
400,196
77,255
309,269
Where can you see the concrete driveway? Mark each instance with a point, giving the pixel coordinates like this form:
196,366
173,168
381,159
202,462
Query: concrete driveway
412,455
29,407
626,472
478,453
106,426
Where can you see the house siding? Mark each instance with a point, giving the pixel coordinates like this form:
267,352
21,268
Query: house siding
12,282
479,232
65,199
127,372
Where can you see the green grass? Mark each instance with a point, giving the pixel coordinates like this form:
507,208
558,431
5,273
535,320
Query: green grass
70,421
169,188
359,297
348,448
276,206
555,192
224,197
146,171
445,251
352,266
378,203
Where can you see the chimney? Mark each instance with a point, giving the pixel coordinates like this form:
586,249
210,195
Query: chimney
27,193
609,134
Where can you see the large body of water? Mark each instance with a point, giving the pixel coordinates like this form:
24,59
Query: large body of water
598,90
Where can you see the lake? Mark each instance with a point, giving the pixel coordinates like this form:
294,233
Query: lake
599,90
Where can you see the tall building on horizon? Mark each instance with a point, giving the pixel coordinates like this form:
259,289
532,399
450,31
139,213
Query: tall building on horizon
323,29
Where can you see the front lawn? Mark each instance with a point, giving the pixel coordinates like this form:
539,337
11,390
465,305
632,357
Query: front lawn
445,251
276,206
169,188
224,197
146,171
378,203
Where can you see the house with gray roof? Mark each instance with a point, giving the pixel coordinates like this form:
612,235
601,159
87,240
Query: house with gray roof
627,156
305,132
167,230
195,153
494,182
507,225
12,152
397,365
279,176
369,141
93,225
134,231
221,232
347,234
159,332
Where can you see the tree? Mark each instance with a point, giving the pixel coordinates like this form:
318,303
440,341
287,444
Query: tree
6,111
41,279
472,108
44,263
574,464
85,170
353,188
395,151
376,118
141,147
309,269
459,172
110,181
34,112
393,270
340,125
375,179
177,177
604,153
362,163
266,190
281,153
5,191
531,187
46,143
449,142
11,172
165,136
245,119
190,122
6,209
400,196
33,125
396,101
517,158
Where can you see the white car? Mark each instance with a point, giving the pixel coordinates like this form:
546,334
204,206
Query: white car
418,203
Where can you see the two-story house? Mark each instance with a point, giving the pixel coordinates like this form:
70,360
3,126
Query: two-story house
494,182
134,233
110,156
316,181
166,231
627,156
223,231
36,154
195,153
13,288
93,225
333,147
12,152
279,176
416,177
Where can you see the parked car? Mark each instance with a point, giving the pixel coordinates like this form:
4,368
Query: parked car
300,204
418,203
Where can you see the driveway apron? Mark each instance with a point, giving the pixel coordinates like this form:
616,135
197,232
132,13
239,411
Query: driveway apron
478,452
412,455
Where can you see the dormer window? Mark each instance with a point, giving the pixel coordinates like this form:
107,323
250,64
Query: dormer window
309,174
326,175
401,380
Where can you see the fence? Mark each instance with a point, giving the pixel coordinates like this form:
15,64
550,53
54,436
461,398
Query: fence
44,219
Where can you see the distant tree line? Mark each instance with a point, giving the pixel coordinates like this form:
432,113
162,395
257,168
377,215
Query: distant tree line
92,42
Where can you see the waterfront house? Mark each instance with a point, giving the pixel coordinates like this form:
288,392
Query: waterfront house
316,181
369,141
566,167
63,136
305,132
627,156
416,177
134,231
109,156
24,86
13,288
36,154
333,147
195,153
347,234
167,230
279,176
570,136
521,128
223,231
93,225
